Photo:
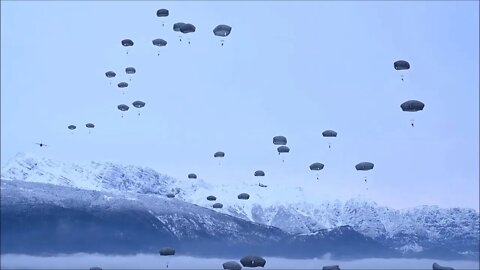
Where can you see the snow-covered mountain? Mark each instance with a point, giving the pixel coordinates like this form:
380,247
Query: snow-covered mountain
38,218
409,230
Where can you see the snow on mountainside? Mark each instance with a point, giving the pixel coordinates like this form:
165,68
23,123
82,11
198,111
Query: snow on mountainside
285,208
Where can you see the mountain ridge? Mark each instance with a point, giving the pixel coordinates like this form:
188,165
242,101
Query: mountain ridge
409,230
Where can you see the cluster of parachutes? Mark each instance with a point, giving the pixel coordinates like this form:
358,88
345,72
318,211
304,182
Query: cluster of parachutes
89,126
182,28
409,105
247,261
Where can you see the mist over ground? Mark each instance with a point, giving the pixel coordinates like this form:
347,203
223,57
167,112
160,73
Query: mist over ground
150,261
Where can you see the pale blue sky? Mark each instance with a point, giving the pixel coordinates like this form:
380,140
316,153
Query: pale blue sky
288,68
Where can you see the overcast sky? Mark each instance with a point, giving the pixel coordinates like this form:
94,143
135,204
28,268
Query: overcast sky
287,68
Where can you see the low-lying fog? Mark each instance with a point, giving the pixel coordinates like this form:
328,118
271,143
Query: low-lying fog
149,261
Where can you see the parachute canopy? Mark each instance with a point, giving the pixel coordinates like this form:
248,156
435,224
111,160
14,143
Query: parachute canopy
192,176
331,267
283,149
167,251
159,42
90,125
187,28
123,107
95,268
317,166
243,196
222,30
412,106
138,104
364,166
219,154
279,140
217,205
130,70
162,12
232,265
329,133
72,127
122,85
253,261
401,65
259,173
211,198
170,195
177,26
262,185
110,74
127,42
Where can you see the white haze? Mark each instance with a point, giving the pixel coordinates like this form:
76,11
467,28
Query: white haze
149,261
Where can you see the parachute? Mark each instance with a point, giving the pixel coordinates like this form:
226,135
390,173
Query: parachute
279,140
253,261
243,196
170,195
283,149
187,28
72,127
211,198
217,205
95,268
401,65
130,70
192,176
167,251
262,185
159,43
122,85
127,43
110,75
138,104
364,166
329,134
89,126
176,28
231,265
162,12
222,30
259,173
317,166
219,154
412,106
332,267
123,108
